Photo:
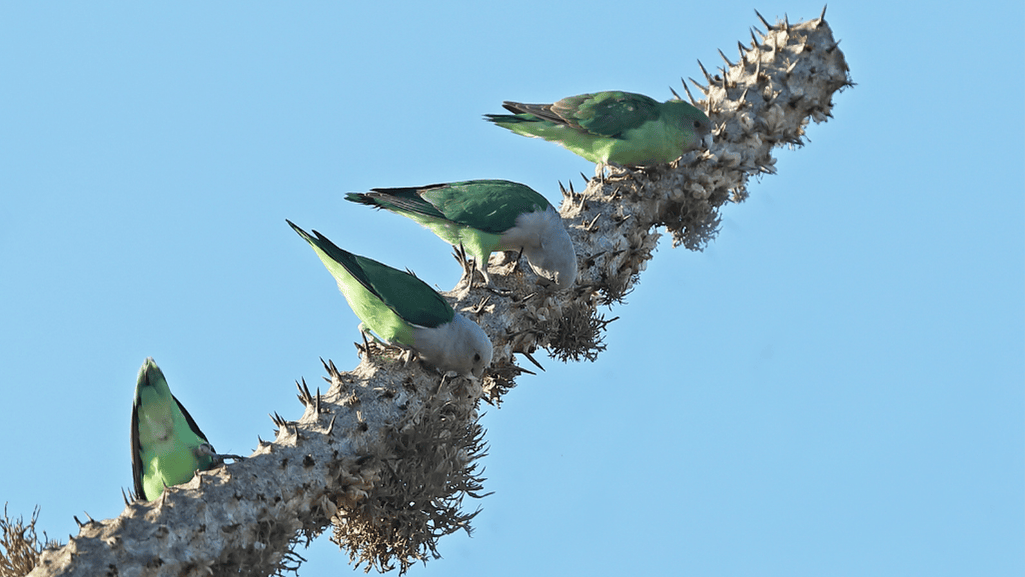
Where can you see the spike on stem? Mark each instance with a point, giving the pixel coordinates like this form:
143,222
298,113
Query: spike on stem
698,85
764,21
689,95
727,60
533,360
674,93
822,17
708,78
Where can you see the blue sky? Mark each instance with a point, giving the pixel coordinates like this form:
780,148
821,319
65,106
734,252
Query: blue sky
833,387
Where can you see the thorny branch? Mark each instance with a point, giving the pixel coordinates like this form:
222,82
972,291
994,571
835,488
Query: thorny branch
389,451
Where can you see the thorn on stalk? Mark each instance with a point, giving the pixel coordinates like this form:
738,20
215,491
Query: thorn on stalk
822,17
674,93
692,101
764,21
362,351
730,64
304,393
533,360
329,366
754,40
708,78
700,87
566,194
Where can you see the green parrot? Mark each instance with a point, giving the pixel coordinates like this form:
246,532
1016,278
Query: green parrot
484,216
167,445
404,311
617,128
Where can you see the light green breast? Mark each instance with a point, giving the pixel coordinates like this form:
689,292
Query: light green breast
370,309
477,243
167,444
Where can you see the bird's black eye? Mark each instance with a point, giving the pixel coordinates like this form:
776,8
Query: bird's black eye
697,124
476,357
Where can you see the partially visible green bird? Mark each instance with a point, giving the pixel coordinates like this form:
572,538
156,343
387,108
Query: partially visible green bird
484,216
167,445
404,311
617,128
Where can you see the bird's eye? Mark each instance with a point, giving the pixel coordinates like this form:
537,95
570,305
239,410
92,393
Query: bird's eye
697,124
476,357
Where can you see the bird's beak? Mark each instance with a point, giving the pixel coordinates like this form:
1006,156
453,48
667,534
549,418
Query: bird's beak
707,141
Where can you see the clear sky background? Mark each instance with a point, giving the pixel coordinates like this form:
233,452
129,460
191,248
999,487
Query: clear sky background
834,387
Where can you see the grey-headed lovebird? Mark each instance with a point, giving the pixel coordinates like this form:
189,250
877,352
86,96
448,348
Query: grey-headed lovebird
617,128
484,216
404,311
167,445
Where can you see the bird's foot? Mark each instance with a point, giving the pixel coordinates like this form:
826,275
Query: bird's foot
516,266
469,268
468,265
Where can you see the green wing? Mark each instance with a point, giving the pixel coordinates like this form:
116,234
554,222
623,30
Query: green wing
486,205
608,114
177,467
413,300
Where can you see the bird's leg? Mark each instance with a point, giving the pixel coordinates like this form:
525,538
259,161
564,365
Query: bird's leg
407,357
516,266
492,287
468,265
441,384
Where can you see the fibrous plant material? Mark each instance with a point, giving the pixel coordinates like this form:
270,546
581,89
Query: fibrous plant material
359,450
20,546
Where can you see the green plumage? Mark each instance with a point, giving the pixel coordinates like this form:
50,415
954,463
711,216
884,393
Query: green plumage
472,214
404,311
489,206
614,127
385,299
167,445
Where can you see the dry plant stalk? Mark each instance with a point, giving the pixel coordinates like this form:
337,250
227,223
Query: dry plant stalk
387,454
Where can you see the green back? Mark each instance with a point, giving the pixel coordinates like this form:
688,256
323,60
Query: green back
607,113
387,300
164,437
489,206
